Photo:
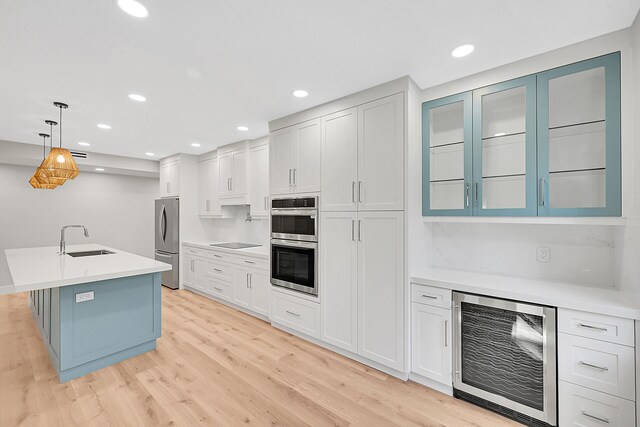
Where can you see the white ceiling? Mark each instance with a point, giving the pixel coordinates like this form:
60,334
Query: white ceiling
208,66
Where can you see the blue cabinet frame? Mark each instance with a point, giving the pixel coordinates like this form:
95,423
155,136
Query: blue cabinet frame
530,209
613,178
466,99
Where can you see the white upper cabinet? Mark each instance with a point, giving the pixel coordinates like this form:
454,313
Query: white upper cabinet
340,161
381,154
363,157
295,158
233,173
169,178
208,175
259,179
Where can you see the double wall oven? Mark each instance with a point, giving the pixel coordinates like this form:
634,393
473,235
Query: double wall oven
294,243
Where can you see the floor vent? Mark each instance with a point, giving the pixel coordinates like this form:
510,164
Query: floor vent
499,409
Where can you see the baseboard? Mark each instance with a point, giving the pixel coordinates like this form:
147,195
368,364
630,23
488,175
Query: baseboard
427,382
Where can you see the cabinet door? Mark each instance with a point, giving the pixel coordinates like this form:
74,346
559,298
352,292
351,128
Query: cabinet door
164,180
380,287
504,149
447,155
189,275
173,185
306,171
260,287
204,187
225,172
340,161
339,279
200,268
282,152
239,172
259,180
242,294
579,139
431,342
381,154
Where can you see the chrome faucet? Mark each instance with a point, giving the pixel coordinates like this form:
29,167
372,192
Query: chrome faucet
63,244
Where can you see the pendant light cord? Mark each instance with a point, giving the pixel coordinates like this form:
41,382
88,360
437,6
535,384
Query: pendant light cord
61,126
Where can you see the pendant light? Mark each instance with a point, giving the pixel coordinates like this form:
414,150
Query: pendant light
41,173
39,179
60,163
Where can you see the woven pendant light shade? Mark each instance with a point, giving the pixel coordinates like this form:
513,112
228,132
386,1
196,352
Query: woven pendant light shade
60,164
42,177
36,184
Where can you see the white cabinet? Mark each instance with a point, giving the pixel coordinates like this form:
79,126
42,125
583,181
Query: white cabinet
259,179
233,172
362,284
208,201
295,313
339,279
295,158
363,157
431,353
242,288
194,272
260,284
170,178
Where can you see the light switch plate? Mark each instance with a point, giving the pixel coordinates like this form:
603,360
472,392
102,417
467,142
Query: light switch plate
85,296
543,255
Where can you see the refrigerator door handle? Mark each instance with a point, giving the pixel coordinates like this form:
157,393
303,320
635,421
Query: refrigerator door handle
160,221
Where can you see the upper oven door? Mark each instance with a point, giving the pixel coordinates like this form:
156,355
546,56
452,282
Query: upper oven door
295,224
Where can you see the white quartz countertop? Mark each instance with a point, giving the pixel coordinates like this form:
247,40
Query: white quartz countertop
596,300
258,251
43,267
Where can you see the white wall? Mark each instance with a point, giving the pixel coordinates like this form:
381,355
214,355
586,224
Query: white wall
586,255
117,210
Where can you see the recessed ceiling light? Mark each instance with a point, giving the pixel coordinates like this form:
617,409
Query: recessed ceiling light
137,97
103,126
149,154
133,8
299,93
100,169
84,144
242,128
195,144
463,50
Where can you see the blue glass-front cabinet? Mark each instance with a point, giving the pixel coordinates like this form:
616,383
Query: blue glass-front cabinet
579,139
541,145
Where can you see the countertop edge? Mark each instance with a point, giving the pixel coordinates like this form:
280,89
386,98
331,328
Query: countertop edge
242,252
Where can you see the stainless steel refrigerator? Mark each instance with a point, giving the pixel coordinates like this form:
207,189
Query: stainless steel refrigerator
168,239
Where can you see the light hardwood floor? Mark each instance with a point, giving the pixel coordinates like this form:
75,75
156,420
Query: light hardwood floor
213,366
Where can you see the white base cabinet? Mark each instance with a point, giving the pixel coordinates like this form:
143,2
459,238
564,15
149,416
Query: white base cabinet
362,259
583,407
296,313
431,349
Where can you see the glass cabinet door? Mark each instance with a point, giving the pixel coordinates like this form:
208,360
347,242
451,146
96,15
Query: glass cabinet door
446,156
504,149
579,139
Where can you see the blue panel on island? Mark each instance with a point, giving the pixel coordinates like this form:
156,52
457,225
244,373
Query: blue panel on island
121,320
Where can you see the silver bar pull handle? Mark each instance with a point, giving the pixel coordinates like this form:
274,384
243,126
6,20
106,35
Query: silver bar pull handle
597,328
217,289
360,230
266,202
217,256
429,296
475,196
593,417
360,191
466,195
590,365
218,270
250,281
353,191
292,313
247,280
289,177
353,230
249,262
294,177
231,183
542,192
446,344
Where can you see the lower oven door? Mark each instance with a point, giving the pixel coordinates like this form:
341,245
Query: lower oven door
294,265
505,353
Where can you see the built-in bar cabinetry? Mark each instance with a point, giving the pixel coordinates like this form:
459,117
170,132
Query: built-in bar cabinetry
238,278
547,144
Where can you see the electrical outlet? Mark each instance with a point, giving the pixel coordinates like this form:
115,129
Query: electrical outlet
543,255
85,296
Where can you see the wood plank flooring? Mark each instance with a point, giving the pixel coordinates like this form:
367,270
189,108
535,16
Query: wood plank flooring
213,366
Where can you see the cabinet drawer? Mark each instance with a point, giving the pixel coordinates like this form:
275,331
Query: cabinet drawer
196,251
295,313
605,328
220,271
429,295
259,263
598,365
222,256
580,406
220,289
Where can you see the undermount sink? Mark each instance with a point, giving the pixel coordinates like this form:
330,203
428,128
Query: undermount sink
89,253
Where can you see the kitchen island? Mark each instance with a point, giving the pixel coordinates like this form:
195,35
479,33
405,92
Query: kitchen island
92,310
